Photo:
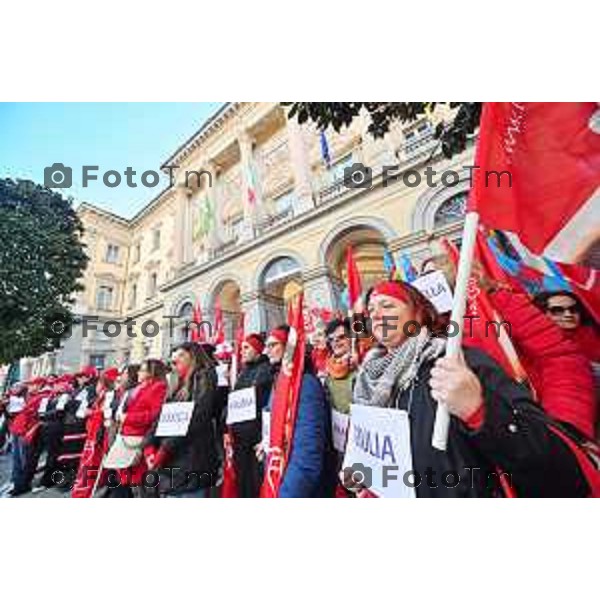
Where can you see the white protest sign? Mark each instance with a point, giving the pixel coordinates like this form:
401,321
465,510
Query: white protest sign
241,406
436,289
62,401
83,406
15,404
266,429
107,408
379,441
174,419
339,429
43,407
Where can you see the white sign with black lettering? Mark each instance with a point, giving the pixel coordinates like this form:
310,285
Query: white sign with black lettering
107,408
62,401
43,407
241,406
436,289
81,410
339,429
174,420
379,451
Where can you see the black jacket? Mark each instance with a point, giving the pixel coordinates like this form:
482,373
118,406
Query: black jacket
191,460
515,438
260,375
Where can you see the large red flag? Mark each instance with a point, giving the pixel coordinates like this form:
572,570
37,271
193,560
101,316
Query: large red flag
552,152
285,405
480,314
354,282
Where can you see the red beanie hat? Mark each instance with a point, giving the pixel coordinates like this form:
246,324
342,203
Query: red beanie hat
256,342
88,371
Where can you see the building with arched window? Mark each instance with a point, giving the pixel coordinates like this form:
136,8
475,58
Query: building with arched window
271,220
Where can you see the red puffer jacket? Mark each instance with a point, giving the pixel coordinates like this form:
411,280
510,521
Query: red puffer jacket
559,373
143,409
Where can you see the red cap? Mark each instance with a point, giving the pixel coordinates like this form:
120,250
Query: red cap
111,374
256,342
88,371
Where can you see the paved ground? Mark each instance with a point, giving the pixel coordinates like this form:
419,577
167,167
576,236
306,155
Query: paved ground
5,470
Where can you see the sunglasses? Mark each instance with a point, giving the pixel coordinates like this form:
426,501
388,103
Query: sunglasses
561,310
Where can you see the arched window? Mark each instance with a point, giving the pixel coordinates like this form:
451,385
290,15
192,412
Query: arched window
450,211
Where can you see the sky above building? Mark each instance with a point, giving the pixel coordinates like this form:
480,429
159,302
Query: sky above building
111,136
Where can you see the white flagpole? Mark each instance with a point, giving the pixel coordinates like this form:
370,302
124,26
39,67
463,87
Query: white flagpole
439,439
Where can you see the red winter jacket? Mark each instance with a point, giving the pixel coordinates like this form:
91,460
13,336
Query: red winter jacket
587,340
144,407
559,373
28,418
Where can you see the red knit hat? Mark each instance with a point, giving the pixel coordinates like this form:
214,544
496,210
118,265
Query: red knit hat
256,342
88,371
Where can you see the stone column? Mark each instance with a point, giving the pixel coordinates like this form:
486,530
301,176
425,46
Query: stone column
217,234
182,227
247,166
299,159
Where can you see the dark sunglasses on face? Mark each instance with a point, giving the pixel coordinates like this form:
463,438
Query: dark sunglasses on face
557,311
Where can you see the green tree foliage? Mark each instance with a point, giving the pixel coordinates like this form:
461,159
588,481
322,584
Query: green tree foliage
42,259
453,135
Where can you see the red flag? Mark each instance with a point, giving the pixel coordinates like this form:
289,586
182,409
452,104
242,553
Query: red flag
219,336
198,334
479,313
354,283
552,152
285,405
229,488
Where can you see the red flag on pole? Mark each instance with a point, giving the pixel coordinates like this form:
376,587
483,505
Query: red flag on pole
354,282
479,313
219,335
198,334
538,174
285,404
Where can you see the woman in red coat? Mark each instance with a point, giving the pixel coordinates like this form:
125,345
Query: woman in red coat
137,421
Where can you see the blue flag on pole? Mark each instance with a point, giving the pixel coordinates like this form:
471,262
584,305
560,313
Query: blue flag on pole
325,150
389,264
410,273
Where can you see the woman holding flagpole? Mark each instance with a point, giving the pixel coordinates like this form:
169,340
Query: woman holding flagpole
499,442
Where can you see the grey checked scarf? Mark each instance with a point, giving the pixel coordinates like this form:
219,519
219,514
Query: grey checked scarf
383,371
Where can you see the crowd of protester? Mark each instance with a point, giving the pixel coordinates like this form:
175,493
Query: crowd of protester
541,431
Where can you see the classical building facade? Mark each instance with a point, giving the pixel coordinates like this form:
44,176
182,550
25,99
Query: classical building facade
258,217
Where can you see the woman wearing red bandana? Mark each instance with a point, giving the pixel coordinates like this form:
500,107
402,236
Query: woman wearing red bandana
494,423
